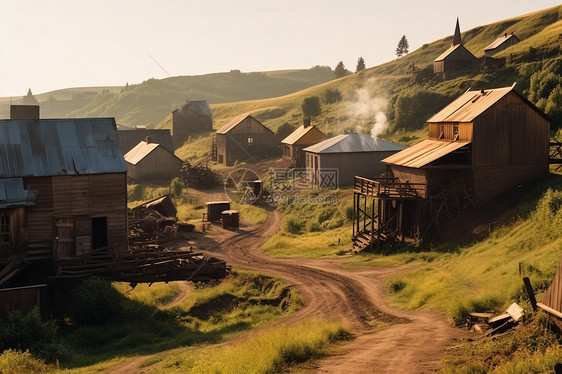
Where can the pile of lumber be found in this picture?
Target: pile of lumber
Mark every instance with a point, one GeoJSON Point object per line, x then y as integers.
{"type": "Point", "coordinates": [495, 324]}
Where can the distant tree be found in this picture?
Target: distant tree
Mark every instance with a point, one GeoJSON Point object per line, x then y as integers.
{"type": "Point", "coordinates": [311, 107]}
{"type": "Point", "coordinates": [360, 65]}
{"type": "Point", "coordinates": [284, 130]}
{"type": "Point", "coordinates": [340, 70]}
{"type": "Point", "coordinates": [29, 99]}
{"type": "Point", "coordinates": [402, 47]}
{"type": "Point", "coordinates": [331, 95]}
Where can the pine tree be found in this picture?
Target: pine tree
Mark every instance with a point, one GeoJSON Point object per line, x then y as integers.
{"type": "Point", "coordinates": [402, 47]}
{"type": "Point", "coordinates": [340, 70]}
{"type": "Point", "coordinates": [360, 65]}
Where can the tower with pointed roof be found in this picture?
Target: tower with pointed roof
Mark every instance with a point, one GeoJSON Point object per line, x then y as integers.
{"type": "Point", "coordinates": [456, 58]}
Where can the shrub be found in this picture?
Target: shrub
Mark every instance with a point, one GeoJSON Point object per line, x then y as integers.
{"type": "Point", "coordinates": [16, 362]}
{"type": "Point", "coordinates": [28, 332]}
{"type": "Point", "coordinates": [176, 187]}
{"type": "Point", "coordinates": [293, 226]}
{"type": "Point", "coordinates": [94, 301]}
{"type": "Point", "coordinates": [332, 95]}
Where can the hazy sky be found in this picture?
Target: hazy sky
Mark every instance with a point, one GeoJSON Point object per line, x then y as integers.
{"type": "Point", "coordinates": [51, 44]}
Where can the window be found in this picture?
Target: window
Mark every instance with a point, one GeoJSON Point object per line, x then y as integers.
{"type": "Point", "coordinates": [441, 131]}
{"type": "Point", "coordinates": [250, 140]}
{"type": "Point", "coordinates": [455, 132]}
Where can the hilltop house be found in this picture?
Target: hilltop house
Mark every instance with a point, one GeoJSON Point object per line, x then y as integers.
{"type": "Point", "coordinates": [304, 136]}
{"type": "Point", "coordinates": [242, 138]}
{"type": "Point", "coordinates": [501, 43]}
{"type": "Point", "coordinates": [63, 194]}
{"type": "Point", "coordinates": [347, 155]}
{"type": "Point", "coordinates": [457, 57]}
{"type": "Point", "coordinates": [192, 118]}
{"type": "Point", "coordinates": [479, 146]}
{"type": "Point", "coordinates": [149, 161]}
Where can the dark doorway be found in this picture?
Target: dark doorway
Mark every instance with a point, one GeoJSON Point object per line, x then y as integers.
{"type": "Point", "coordinates": [99, 232]}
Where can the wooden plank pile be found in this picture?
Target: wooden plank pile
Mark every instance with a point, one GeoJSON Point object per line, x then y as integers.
{"type": "Point", "coordinates": [149, 258]}
{"type": "Point", "coordinates": [491, 325]}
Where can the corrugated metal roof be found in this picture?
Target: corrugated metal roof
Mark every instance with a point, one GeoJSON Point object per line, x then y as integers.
{"type": "Point", "coordinates": [140, 151]}
{"type": "Point", "coordinates": [353, 143]}
{"type": "Point", "coordinates": [13, 194]}
{"type": "Point", "coordinates": [49, 147]}
{"type": "Point", "coordinates": [499, 41]}
{"type": "Point", "coordinates": [233, 123]}
{"type": "Point", "coordinates": [297, 134]}
{"type": "Point", "coordinates": [423, 153]}
{"type": "Point", "coordinates": [470, 105]}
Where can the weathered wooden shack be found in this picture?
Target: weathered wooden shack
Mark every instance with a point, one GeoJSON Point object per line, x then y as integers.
{"type": "Point", "coordinates": [129, 137]}
{"type": "Point", "coordinates": [479, 146]}
{"type": "Point", "coordinates": [63, 193]}
{"type": "Point", "coordinates": [456, 58]}
{"type": "Point", "coordinates": [242, 138]}
{"type": "Point", "coordinates": [149, 161]}
{"type": "Point", "coordinates": [304, 136]}
{"type": "Point", "coordinates": [347, 155]}
{"type": "Point", "coordinates": [192, 118]}
{"type": "Point", "coordinates": [501, 43]}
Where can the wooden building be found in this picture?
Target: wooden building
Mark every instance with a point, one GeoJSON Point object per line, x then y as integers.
{"type": "Point", "coordinates": [456, 58]}
{"type": "Point", "coordinates": [242, 138]}
{"type": "Point", "coordinates": [501, 43]}
{"type": "Point", "coordinates": [348, 155]}
{"type": "Point", "coordinates": [479, 146]}
{"type": "Point", "coordinates": [129, 137]}
{"type": "Point", "coordinates": [304, 136]}
{"type": "Point", "coordinates": [63, 194]}
{"type": "Point", "coordinates": [192, 118]}
{"type": "Point", "coordinates": [149, 161]}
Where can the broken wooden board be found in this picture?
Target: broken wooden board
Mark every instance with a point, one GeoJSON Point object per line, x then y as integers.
{"type": "Point", "coordinates": [515, 311]}
{"type": "Point", "coordinates": [498, 320]}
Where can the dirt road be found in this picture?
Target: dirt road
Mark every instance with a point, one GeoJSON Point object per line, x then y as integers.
{"type": "Point", "coordinates": [388, 340]}
{"type": "Point", "coordinates": [410, 342]}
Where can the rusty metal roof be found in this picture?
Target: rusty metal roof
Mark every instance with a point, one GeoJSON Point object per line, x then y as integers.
{"type": "Point", "coordinates": [13, 194]}
{"type": "Point", "coordinates": [49, 147]}
{"type": "Point", "coordinates": [423, 153]}
{"type": "Point", "coordinates": [499, 41]}
{"type": "Point", "coordinates": [470, 105]}
{"type": "Point", "coordinates": [301, 131]}
{"type": "Point", "coordinates": [347, 143]}
{"type": "Point", "coordinates": [232, 124]}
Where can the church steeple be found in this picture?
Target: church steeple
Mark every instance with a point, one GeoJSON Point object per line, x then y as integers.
{"type": "Point", "coordinates": [457, 37]}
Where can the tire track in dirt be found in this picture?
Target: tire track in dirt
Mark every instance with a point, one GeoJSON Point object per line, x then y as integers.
{"type": "Point", "coordinates": [388, 340]}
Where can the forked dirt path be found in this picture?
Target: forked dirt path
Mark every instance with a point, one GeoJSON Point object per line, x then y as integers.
{"type": "Point", "coordinates": [388, 340]}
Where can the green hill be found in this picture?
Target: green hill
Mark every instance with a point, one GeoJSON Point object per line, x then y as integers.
{"type": "Point", "coordinates": [150, 101]}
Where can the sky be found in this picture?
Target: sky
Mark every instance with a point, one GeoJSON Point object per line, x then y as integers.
{"type": "Point", "coordinates": [52, 44]}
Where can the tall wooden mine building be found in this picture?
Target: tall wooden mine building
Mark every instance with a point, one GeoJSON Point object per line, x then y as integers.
{"type": "Point", "coordinates": [479, 146]}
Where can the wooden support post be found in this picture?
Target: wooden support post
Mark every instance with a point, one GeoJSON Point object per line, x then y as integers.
{"type": "Point", "coordinates": [379, 223]}
{"type": "Point", "coordinates": [531, 293]}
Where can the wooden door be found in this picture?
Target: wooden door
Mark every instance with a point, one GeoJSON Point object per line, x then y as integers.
{"type": "Point", "coordinates": [64, 237]}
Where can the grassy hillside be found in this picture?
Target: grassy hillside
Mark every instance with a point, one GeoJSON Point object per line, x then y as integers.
{"type": "Point", "coordinates": [376, 90]}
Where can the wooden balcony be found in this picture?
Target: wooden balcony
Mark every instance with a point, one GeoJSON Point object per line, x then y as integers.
{"type": "Point", "coordinates": [387, 188]}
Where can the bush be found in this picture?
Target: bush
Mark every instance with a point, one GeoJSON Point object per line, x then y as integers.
{"type": "Point", "coordinates": [284, 130]}
{"type": "Point", "coordinates": [94, 301]}
{"type": "Point", "coordinates": [16, 362]}
{"type": "Point", "coordinates": [332, 95]}
{"type": "Point", "coordinates": [176, 187]}
{"type": "Point", "coordinates": [311, 107]}
{"type": "Point", "coordinates": [28, 332]}
{"type": "Point", "coordinates": [293, 226]}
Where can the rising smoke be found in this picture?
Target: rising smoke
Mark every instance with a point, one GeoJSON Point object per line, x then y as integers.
{"type": "Point", "coordinates": [369, 108]}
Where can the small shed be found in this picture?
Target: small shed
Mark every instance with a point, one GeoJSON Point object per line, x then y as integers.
{"type": "Point", "coordinates": [150, 162]}
{"type": "Point", "coordinates": [191, 118]}
{"type": "Point", "coordinates": [457, 57]}
{"type": "Point", "coordinates": [304, 136]}
{"type": "Point", "coordinates": [129, 137]}
{"type": "Point", "coordinates": [348, 155]}
{"type": "Point", "coordinates": [501, 43]}
{"type": "Point", "coordinates": [242, 138]}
